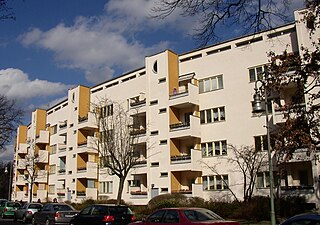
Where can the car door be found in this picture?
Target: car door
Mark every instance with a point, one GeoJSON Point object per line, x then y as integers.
{"type": "Point", "coordinates": [84, 216]}
{"type": "Point", "coordinates": [42, 214]}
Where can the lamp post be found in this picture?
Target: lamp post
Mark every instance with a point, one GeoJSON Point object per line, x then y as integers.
{"type": "Point", "coordinates": [258, 107]}
{"type": "Point", "coordinates": [9, 187]}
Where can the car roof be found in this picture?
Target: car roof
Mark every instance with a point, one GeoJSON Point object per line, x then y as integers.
{"type": "Point", "coordinates": [311, 216]}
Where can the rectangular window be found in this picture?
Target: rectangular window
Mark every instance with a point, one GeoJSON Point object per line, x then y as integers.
{"type": "Point", "coordinates": [212, 115]}
{"type": "Point", "coordinates": [261, 143]}
{"type": "Point", "coordinates": [90, 183]}
{"type": "Point", "coordinates": [215, 182]}
{"type": "Point", "coordinates": [106, 187]}
{"type": "Point", "coordinates": [211, 84]}
{"type": "Point", "coordinates": [53, 129]}
{"type": "Point", "coordinates": [263, 180]}
{"type": "Point", "coordinates": [257, 72]}
{"type": "Point", "coordinates": [51, 189]}
{"type": "Point", "coordinates": [53, 149]}
{"type": "Point", "coordinates": [214, 148]}
{"type": "Point", "coordinates": [52, 169]}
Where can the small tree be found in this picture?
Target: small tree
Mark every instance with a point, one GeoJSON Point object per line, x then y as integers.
{"type": "Point", "coordinates": [116, 141]}
{"type": "Point", "coordinates": [249, 162]}
{"type": "Point", "coordinates": [10, 117]}
{"type": "Point", "coordinates": [31, 172]}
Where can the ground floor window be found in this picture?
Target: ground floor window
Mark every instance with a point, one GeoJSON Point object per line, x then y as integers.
{"type": "Point", "coordinates": [106, 187]}
{"type": "Point", "coordinates": [215, 182]}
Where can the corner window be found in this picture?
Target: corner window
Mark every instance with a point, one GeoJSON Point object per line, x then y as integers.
{"type": "Point", "coordinates": [211, 84]}
{"type": "Point", "coordinates": [257, 72]}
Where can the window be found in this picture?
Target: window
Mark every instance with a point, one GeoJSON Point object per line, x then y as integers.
{"type": "Point", "coordinates": [155, 67]}
{"type": "Point", "coordinates": [215, 182]}
{"type": "Point", "coordinates": [163, 142]}
{"type": "Point", "coordinates": [52, 169]}
{"type": "Point", "coordinates": [164, 174]}
{"type": "Point", "coordinates": [51, 189]}
{"type": "Point", "coordinates": [155, 164]}
{"type": "Point", "coordinates": [53, 129]}
{"type": "Point", "coordinates": [212, 115]}
{"type": "Point", "coordinates": [106, 187]}
{"type": "Point", "coordinates": [162, 80]}
{"type": "Point", "coordinates": [106, 110]}
{"type": "Point", "coordinates": [214, 148]}
{"type": "Point", "coordinates": [211, 84]}
{"type": "Point", "coordinates": [53, 149]}
{"type": "Point", "coordinates": [261, 143]}
{"type": "Point", "coordinates": [154, 132]}
{"type": "Point", "coordinates": [256, 73]}
{"type": "Point", "coordinates": [154, 102]}
{"type": "Point", "coordinates": [263, 180]}
{"type": "Point", "coordinates": [163, 110]}
{"type": "Point", "coordinates": [90, 183]}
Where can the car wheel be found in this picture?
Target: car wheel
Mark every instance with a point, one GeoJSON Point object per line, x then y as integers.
{"type": "Point", "coordinates": [47, 222]}
{"type": "Point", "coordinates": [24, 219]}
{"type": "Point", "coordinates": [34, 221]}
{"type": "Point", "coordinates": [72, 223]}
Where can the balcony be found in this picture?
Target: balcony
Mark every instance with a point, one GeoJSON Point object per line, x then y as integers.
{"type": "Point", "coordinates": [88, 146]}
{"type": "Point", "coordinates": [186, 129]}
{"type": "Point", "coordinates": [62, 147]}
{"type": "Point", "coordinates": [63, 125]}
{"type": "Point", "coordinates": [43, 156]}
{"type": "Point", "coordinates": [278, 113]}
{"type": "Point", "coordinates": [42, 176]}
{"type": "Point", "coordinates": [21, 164]}
{"type": "Point", "coordinates": [134, 102]}
{"type": "Point", "coordinates": [296, 190]}
{"type": "Point", "coordinates": [23, 148]}
{"type": "Point", "coordinates": [87, 122]}
{"type": "Point", "coordinates": [61, 191]}
{"type": "Point", "coordinates": [141, 131]}
{"type": "Point", "coordinates": [137, 192]}
{"type": "Point", "coordinates": [43, 137]}
{"type": "Point", "coordinates": [42, 194]}
{"type": "Point", "coordinates": [21, 180]}
{"type": "Point", "coordinates": [183, 161]}
{"type": "Point", "coordinates": [89, 171]}
{"type": "Point", "coordinates": [185, 96]}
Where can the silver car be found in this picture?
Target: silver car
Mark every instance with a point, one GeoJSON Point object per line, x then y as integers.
{"type": "Point", "coordinates": [26, 212]}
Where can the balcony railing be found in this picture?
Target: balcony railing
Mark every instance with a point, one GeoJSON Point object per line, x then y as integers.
{"type": "Point", "coordinates": [82, 119]}
{"type": "Point", "coordinates": [138, 131]}
{"type": "Point", "coordinates": [179, 125]}
{"type": "Point", "coordinates": [81, 194]}
{"type": "Point", "coordinates": [180, 158]}
{"type": "Point", "coordinates": [140, 162]}
{"type": "Point", "coordinates": [135, 103]}
{"type": "Point", "coordinates": [138, 192]}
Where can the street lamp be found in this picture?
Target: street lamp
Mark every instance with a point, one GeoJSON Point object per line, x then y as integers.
{"type": "Point", "coordinates": [259, 107]}
{"type": "Point", "coordinates": [10, 171]}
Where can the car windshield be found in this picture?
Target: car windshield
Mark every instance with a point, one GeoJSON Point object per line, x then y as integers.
{"type": "Point", "coordinates": [35, 206]}
{"type": "Point", "coordinates": [13, 204]}
{"type": "Point", "coordinates": [119, 210]}
{"type": "Point", "coordinates": [62, 208]}
{"type": "Point", "coordinates": [200, 215]}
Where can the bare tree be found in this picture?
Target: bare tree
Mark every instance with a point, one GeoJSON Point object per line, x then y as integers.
{"type": "Point", "coordinates": [249, 162]}
{"type": "Point", "coordinates": [10, 117]}
{"type": "Point", "coordinates": [247, 15]}
{"type": "Point", "coordinates": [117, 139]}
{"type": "Point", "coordinates": [216, 172]}
{"type": "Point", "coordinates": [5, 11]}
{"type": "Point", "coordinates": [31, 172]}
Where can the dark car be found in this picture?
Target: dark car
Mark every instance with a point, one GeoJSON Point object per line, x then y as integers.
{"type": "Point", "coordinates": [54, 213]}
{"type": "Point", "coordinates": [185, 216]}
{"type": "Point", "coordinates": [102, 214]}
{"type": "Point", "coordinates": [26, 212]}
{"type": "Point", "coordinates": [303, 219]}
{"type": "Point", "coordinates": [7, 208]}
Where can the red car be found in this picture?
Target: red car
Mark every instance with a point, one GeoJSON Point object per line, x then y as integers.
{"type": "Point", "coordinates": [185, 216]}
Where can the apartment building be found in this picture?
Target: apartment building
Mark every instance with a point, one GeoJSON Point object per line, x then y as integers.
{"type": "Point", "coordinates": [192, 106]}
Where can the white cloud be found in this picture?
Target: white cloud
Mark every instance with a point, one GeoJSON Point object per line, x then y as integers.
{"type": "Point", "coordinates": [101, 45]}
{"type": "Point", "coordinates": [15, 84]}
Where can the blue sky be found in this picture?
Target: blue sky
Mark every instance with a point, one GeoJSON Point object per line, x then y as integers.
{"type": "Point", "coordinates": [57, 44]}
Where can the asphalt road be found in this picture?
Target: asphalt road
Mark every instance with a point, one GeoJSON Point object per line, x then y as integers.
{"type": "Point", "coordinates": [9, 221]}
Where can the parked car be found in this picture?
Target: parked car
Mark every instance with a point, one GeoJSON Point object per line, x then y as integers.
{"type": "Point", "coordinates": [186, 216]}
{"type": "Point", "coordinates": [26, 212]}
{"type": "Point", "coordinates": [102, 214]}
{"type": "Point", "coordinates": [7, 208]}
{"type": "Point", "coordinates": [308, 218]}
{"type": "Point", "coordinates": [54, 213]}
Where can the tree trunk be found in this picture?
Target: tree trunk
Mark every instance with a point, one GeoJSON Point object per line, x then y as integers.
{"type": "Point", "coordinates": [30, 192]}
{"type": "Point", "coordinates": [120, 189]}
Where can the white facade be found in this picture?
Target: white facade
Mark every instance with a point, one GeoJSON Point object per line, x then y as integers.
{"type": "Point", "coordinates": [193, 105]}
